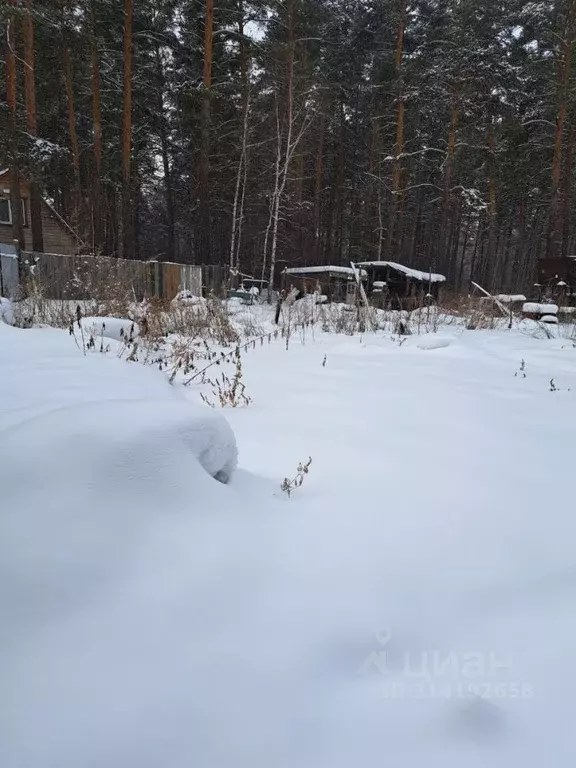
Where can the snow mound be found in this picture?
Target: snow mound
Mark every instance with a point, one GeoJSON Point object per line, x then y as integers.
{"type": "Point", "coordinates": [432, 341]}
{"type": "Point", "coordinates": [99, 458]}
{"type": "Point", "coordinates": [80, 482]}
{"type": "Point", "coordinates": [6, 311]}
{"type": "Point", "coordinates": [115, 328]}
{"type": "Point", "coordinates": [534, 308]}
{"type": "Point", "coordinates": [187, 298]}
{"type": "Point", "coordinates": [44, 374]}
{"type": "Point", "coordinates": [425, 314]}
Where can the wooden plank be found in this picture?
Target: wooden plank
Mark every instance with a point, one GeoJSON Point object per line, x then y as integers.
{"type": "Point", "coordinates": [171, 280]}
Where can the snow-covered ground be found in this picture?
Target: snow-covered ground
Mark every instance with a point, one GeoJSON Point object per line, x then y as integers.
{"type": "Point", "coordinates": [411, 604]}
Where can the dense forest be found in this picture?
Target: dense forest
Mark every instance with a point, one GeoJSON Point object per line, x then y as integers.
{"type": "Point", "coordinates": [438, 133]}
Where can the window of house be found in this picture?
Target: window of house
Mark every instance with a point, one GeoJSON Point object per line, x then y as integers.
{"type": "Point", "coordinates": [6, 211]}
{"type": "Point", "coordinates": [5, 217]}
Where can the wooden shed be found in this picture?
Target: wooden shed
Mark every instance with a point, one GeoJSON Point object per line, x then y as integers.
{"type": "Point", "coordinates": [400, 287]}
{"type": "Point", "coordinates": [557, 278]}
{"type": "Point", "coordinates": [57, 235]}
{"type": "Point", "coordinates": [336, 283]}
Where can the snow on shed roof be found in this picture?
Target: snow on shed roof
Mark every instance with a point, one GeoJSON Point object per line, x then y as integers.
{"type": "Point", "coordinates": [510, 298]}
{"type": "Point", "coordinates": [348, 271]}
{"type": "Point", "coordinates": [414, 274]}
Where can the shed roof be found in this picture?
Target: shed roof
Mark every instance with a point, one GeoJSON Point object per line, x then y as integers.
{"type": "Point", "coordinates": [330, 269]}
{"type": "Point", "coordinates": [413, 274]}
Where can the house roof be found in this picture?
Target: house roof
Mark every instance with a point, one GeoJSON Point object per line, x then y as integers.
{"type": "Point", "coordinates": [413, 274]}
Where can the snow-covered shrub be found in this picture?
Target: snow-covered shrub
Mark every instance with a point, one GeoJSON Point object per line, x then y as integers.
{"type": "Point", "coordinates": [116, 328]}
{"type": "Point", "coordinates": [207, 319]}
{"type": "Point", "coordinates": [6, 311]}
{"type": "Point", "coordinates": [289, 485]}
{"type": "Point", "coordinates": [187, 297]}
{"type": "Point", "coordinates": [338, 318]}
{"type": "Point", "coordinates": [230, 392]}
{"type": "Point", "coordinates": [425, 319]}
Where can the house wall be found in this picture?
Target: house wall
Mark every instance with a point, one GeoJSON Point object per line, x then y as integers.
{"type": "Point", "coordinates": [57, 239]}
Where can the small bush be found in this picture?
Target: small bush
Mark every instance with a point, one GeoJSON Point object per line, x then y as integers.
{"type": "Point", "coordinates": [289, 485]}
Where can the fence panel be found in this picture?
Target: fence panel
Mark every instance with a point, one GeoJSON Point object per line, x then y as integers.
{"type": "Point", "coordinates": [98, 277]}
{"type": "Point", "coordinates": [9, 282]}
{"type": "Point", "coordinates": [191, 279]}
{"type": "Point", "coordinates": [171, 282]}
{"type": "Point", "coordinates": [213, 279]}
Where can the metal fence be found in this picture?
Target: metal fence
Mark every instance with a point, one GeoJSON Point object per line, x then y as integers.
{"type": "Point", "coordinates": [96, 277]}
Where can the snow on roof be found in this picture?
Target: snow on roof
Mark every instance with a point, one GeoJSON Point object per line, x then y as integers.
{"type": "Point", "coordinates": [414, 274]}
{"type": "Point", "coordinates": [510, 298]}
{"type": "Point", "coordinates": [533, 308]}
{"type": "Point", "coordinates": [348, 271]}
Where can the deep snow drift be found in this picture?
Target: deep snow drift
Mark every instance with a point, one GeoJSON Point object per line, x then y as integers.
{"type": "Point", "coordinates": [155, 618]}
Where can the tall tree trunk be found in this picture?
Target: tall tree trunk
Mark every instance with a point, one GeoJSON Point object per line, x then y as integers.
{"type": "Point", "coordinates": [244, 77]}
{"type": "Point", "coordinates": [272, 202]}
{"type": "Point", "coordinates": [567, 190]}
{"type": "Point", "coordinates": [204, 164]}
{"type": "Point", "coordinates": [491, 244]}
{"type": "Point", "coordinates": [74, 144]}
{"type": "Point", "coordinates": [465, 240]}
{"type": "Point", "coordinates": [564, 73]}
{"type": "Point", "coordinates": [97, 237]}
{"type": "Point", "coordinates": [442, 240]}
{"type": "Point", "coordinates": [32, 126]}
{"type": "Point", "coordinates": [373, 209]}
{"type": "Point", "coordinates": [291, 143]}
{"type": "Point", "coordinates": [340, 179]}
{"type": "Point", "coordinates": [11, 85]}
{"type": "Point", "coordinates": [400, 114]}
{"type": "Point", "coordinates": [127, 212]}
{"type": "Point", "coordinates": [318, 185]}
{"type": "Point", "coordinates": [165, 151]}
{"type": "Point", "coordinates": [240, 188]}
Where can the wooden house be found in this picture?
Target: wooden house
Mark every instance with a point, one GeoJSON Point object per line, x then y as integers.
{"type": "Point", "coordinates": [395, 285]}
{"type": "Point", "coordinates": [57, 235]}
{"type": "Point", "coordinates": [336, 283]}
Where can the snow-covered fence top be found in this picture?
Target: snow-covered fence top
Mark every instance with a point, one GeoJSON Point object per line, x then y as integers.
{"type": "Point", "coordinates": [413, 274]}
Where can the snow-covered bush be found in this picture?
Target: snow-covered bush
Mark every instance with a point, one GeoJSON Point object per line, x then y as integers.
{"type": "Point", "coordinates": [290, 484]}
{"type": "Point", "coordinates": [229, 391]}
{"type": "Point", "coordinates": [6, 311]}
{"type": "Point", "coordinates": [187, 297]}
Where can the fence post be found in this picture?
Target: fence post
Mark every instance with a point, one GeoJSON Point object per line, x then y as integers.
{"type": "Point", "coordinates": [160, 268]}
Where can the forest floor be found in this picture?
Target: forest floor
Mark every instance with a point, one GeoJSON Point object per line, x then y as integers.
{"type": "Point", "coordinates": [410, 603]}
